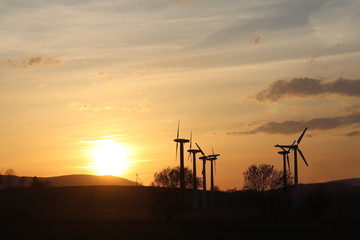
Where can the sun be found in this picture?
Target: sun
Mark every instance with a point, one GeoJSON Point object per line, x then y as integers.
{"type": "Point", "coordinates": [110, 157]}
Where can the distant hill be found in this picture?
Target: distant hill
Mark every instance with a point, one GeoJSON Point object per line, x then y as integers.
{"type": "Point", "coordinates": [350, 181]}
{"type": "Point", "coordinates": [69, 180]}
{"type": "Point", "coordinates": [337, 187]}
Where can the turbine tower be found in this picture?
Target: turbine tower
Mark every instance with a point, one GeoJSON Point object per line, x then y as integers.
{"type": "Point", "coordinates": [203, 158]}
{"type": "Point", "coordinates": [212, 158]}
{"type": "Point", "coordinates": [285, 154]}
{"type": "Point", "coordinates": [193, 152]}
{"type": "Point", "coordinates": [181, 141]}
{"type": "Point", "coordinates": [296, 149]}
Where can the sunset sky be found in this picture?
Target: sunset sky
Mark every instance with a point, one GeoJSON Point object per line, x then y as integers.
{"type": "Point", "coordinates": [241, 75]}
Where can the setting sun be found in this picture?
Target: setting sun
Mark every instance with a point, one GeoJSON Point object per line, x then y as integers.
{"type": "Point", "coordinates": [110, 157]}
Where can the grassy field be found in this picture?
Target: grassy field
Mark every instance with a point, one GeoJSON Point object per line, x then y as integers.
{"type": "Point", "coordinates": [188, 229]}
{"type": "Point", "coordinates": [110, 212]}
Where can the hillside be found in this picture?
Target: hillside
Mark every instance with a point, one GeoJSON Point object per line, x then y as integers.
{"type": "Point", "coordinates": [350, 181]}
{"type": "Point", "coordinates": [84, 180]}
{"type": "Point", "coordinates": [68, 180]}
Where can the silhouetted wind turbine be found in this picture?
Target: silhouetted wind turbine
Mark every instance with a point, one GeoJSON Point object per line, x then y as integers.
{"type": "Point", "coordinates": [212, 158]}
{"type": "Point", "coordinates": [285, 154]}
{"type": "Point", "coordinates": [203, 158]}
{"type": "Point", "coordinates": [181, 141]}
{"type": "Point", "coordinates": [296, 149]}
{"type": "Point", "coordinates": [193, 152]}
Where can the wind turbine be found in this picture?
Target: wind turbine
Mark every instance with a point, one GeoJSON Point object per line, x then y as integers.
{"type": "Point", "coordinates": [296, 149]}
{"type": "Point", "coordinates": [285, 154]}
{"type": "Point", "coordinates": [181, 141]}
{"type": "Point", "coordinates": [203, 158]}
{"type": "Point", "coordinates": [193, 152]}
{"type": "Point", "coordinates": [212, 158]}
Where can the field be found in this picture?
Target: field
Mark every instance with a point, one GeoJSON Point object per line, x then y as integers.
{"type": "Point", "coordinates": [109, 212]}
{"type": "Point", "coordinates": [185, 229]}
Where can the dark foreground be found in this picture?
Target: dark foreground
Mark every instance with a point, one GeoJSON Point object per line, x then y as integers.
{"type": "Point", "coordinates": [111, 212]}
{"type": "Point", "coordinates": [189, 229]}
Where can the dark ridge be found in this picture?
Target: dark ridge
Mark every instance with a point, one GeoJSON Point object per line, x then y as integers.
{"type": "Point", "coordinates": [67, 180]}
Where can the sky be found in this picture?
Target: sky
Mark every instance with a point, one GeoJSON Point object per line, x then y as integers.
{"type": "Point", "coordinates": [242, 76]}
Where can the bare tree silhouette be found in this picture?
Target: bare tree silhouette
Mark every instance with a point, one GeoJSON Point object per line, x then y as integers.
{"type": "Point", "coordinates": [264, 177]}
{"type": "Point", "coordinates": [170, 177]}
{"type": "Point", "coordinates": [9, 177]}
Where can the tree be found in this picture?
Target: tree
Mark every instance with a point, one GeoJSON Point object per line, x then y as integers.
{"type": "Point", "coordinates": [170, 178]}
{"type": "Point", "coordinates": [264, 177]}
{"type": "Point", "coordinates": [36, 183]}
{"type": "Point", "coordinates": [9, 173]}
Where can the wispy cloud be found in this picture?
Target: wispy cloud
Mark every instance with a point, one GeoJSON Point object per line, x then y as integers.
{"type": "Point", "coordinates": [313, 58]}
{"type": "Point", "coordinates": [302, 87]}
{"type": "Point", "coordinates": [257, 40]}
{"type": "Point", "coordinates": [290, 127]}
{"type": "Point", "coordinates": [182, 2]}
{"type": "Point", "coordinates": [138, 106]}
{"type": "Point", "coordinates": [148, 70]}
{"type": "Point", "coordinates": [101, 74]}
{"type": "Point", "coordinates": [115, 136]}
{"type": "Point", "coordinates": [32, 62]}
{"type": "Point", "coordinates": [138, 71]}
{"type": "Point", "coordinates": [142, 91]}
{"type": "Point", "coordinates": [41, 85]}
{"type": "Point", "coordinates": [353, 134]}
{"type": "Point", "coordinates": [79, 106]}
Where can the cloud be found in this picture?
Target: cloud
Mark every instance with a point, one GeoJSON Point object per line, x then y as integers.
{"type": "Point", "coordinates": [302, 87]}
{"type": "Point", "coordinates": [31, 62]}
{"type": "Point", "coordinates": [10, 63]}
{"type": "Point", "coordinates": [101, 74]}
{"type": "Point", "coordinates": [353, 134]}
{"type": "Point", "coordinates": [138, 106]}
{"type": "Point", "coordinates": [41, 85]}
{"type": "Point", "coordinates": [262, 16]}
{"type": "Point", "coordinates": [181, 2]}
{"type": "Point", "coordinates": [257, 40]}
{"type": "Point", "coordinates": [178, 2]}
{"type": "Point", "coordinates": [142, 91]}
{"type": "Point", "coordinates": [148, 70]}
{"type": "Point", "coordinates": [138, 71]}
{"type": "Point", "coordinates": [290, 127]}
{"type": "Point", "coordinates": [79, 106]}
{"type": "Point", "coordinates": [313, 58]}
{"type": "Point", "coordinates": [334, 21]}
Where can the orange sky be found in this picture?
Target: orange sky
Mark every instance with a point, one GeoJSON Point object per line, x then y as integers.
{"type": "Point", "coordinates": [242, 76]}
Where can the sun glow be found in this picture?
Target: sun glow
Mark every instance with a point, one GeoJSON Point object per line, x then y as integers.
{"type": "Point", "coordinates": [110, 157]}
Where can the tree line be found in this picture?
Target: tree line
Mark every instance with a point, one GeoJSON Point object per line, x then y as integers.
{"type": "Point", "coordinates": [8, 179]}
{"type": "Point", "coordinates": [257, 178]}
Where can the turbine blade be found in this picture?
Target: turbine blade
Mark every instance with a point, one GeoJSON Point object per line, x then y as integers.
{"type": "Point", "coordinates": [292, 145]}
{"type": "Point", "coordinates": [301, 136]}
{"type": "Point", "coordinates": [283, 148]}
{"type": "Point", "coordinates": [200, 149]}
{"type": "Point", "coordinates": [178, 130]}
{"type": "Point", "coordinates": [302, 156]}
{"type": "Point", "coordinates": [288, 161]}
{"type": "Point", "coordinates": [215, 166]}
{"type": "Point", "coordinates": [212, 149]}
{"type": "Point", "coordinates": [189, 156]}
{"type": "Point", "coordinates": [191, 139]}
